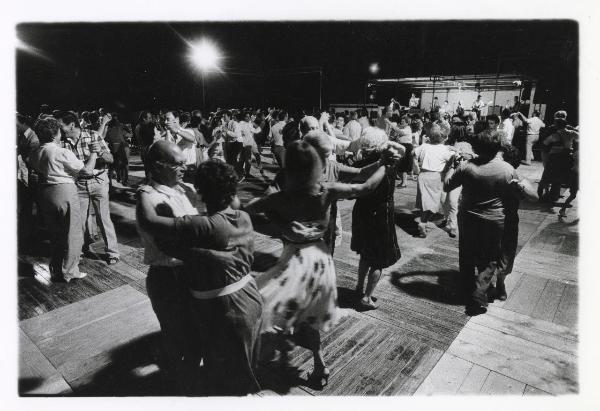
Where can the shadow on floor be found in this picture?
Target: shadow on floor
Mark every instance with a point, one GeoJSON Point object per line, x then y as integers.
{"type": "Point", "coordinates": [124, 226]}
{"type": "Point", "coordinates": [405, 219]}
{"type": "Point", "coordinates": [134, 369]}
{"type": "Point", "coordinates": [439, 286]}
{"type": "Point", "coordinates": [347, 297]}
{"type": "Point", "coordinates": [278, 376]}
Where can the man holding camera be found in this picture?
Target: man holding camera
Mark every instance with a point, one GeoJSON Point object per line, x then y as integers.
{"type": "Point", "coordinates": [94, 187]}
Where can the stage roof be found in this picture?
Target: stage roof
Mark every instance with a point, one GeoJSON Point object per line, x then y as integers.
{"type": "Point", "coordinates": [479, 82]}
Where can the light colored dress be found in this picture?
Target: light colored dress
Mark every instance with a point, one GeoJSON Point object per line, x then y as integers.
{"type": "Point", "coordinates": [300, 289]}
{"type": "Point", "coordinates": [432, 159]}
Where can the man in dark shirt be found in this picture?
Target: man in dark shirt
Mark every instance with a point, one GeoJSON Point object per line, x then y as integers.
{"type": "Point", "coordinates": [27, 143]}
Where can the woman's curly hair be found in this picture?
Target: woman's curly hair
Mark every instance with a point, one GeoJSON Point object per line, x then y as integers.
{"type": "Point", "coordinates": [217, 182]}
{"type": "Point", "coordinates": [46, 129]}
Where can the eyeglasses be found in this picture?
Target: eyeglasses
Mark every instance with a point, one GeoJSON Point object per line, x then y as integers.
{"type": "Point", "coordinates": [173, 166]}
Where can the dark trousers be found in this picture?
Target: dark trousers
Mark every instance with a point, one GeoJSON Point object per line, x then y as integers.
{"type": "Point", "coordinates": [479, 247]}
{"type": "Point", "coordinates": [232, 153]}
{"type": "Point", "coordinates": [245, 163]}
{"type": "Point", "coordinates": [26, 221]}
{"type": "Point", "coordinates": [120, 165]}
{"type": "Point", "coordinates": [230, 333]}
{"type": "Point", "coordinates": [170, 298]}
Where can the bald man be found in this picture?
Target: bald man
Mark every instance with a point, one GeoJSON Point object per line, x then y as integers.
{"type": "Point", "coordinates": [308, 123]}
{"type": "Point", "coordinates": [167, 289]}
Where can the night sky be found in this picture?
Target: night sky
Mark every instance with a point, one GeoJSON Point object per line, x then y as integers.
{"type": "Point", "coordinates": [131, 66]}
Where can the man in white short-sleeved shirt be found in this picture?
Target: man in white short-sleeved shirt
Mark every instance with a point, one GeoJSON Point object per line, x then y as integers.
{"type": "Point", "coordinates": [167, 289]}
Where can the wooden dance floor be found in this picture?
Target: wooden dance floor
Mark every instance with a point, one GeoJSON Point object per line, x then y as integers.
{"type": "Point", "coordinates": [99, 336]}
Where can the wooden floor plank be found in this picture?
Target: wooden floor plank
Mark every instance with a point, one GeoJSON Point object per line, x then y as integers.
{"type": "Point", "coordinates": [524, 298]}
{"type": "Point", "coordinates": [547, 305]}
{"type": "Point", "coordinates": [534, 324]}
{"type": "Point", "coordinates": [387, 353]}
{"type": "Point", "coordinates": [500, 384]}
{"type": "Point", "coordinates": [75, 316]}
{"type": "Point", "coordinates": [36, 375]}
{"type": "Point", "coordinates": [446, 377]}
{"type": "Point", "coordinates": [525, 331]}
{"type": "Point", "coordinates": [537, 365]}
{"type": "Point", "coordinates": [412, 375]}
{"type": "Point", "coordinates": [529, 390]}
{"type": "Point", "coordinates": [547, 264]}
{"type": "Point", "coordinates": [78, 355]}
{"type": "Point", "coordinates": [475, 380]}
{"type": "Point", "coordinates": [131, 264]}
{"type": "Point", "coordinates": [566, 313]}
{"type": "Point", "coordinates": [46, 298]}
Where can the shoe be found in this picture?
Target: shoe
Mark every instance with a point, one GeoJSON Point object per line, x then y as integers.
{"type": "Point", "coordinates": [112, 260]}
{"type": "Point", "coordinates": [319, 378]}
{"type": "Point", "coordinates": [58, 279]}
{"type": "Point", "coordinates": [451, 231]}
{"type": "Point", "coordinates": [501, 290]}
{"type": "Point", "coordinates": [367, 305]}
{"type": "Point", "coordinates": [492, 294]}
{"type": "Point", "coordinates": [79, 277]}
{"type": "Point", "coordinates": [474, 309]}
{"type": "Point", "coordinates": [422, 231]}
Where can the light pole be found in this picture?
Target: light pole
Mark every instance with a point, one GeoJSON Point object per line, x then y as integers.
{"type": "Point", "coordinates": [373, 70]}
{"type": "Point", "coordinates": [204, 56]}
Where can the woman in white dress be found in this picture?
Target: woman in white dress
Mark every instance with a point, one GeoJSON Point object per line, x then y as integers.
{"type": "Point", "coordinates": [432, 159]}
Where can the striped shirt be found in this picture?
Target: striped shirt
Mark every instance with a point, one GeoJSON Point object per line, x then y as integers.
{"type": "Point", "coordinates": [81, 147]}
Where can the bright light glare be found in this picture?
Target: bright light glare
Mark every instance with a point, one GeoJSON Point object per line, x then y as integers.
{"type": "Point", "coordinates": [27, 48]}
{"type": "Point", "coordinates": [374, 68]}
{"type": "Point", "coordinates": [205, 56]}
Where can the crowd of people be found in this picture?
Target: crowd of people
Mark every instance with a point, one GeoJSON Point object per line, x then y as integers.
{"type": "Point", "coordinates": [198, 238]}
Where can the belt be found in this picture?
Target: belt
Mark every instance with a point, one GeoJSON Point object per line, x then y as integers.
{"type": "Point", "coordinates": [303, 242]}
{"type": "Point", "coordinates": [93, 175]}
{"type": "Point", "coordinates": [219, 292]}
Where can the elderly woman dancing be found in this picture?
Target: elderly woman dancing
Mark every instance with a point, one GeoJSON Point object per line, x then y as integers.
{"type": "Point", "coordinates": [218, 252]}
{"type": "Point", "coordinates": [433, 160]}
{"type": "Point", "coordinates": [373, 228]}
{"type": "Point", "coordinates": [58, 168]}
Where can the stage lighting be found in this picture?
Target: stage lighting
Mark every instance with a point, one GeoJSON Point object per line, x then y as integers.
{"type": "Point", "coordinates": [374, 68]}
{"type": "Point", "coordinates": [205, 56]}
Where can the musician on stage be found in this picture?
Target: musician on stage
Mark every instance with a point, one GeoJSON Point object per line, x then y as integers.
{"type": "Point", "coordinates": [478, 105]}
{"type": "Point", "coordinates": [414, 101]}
